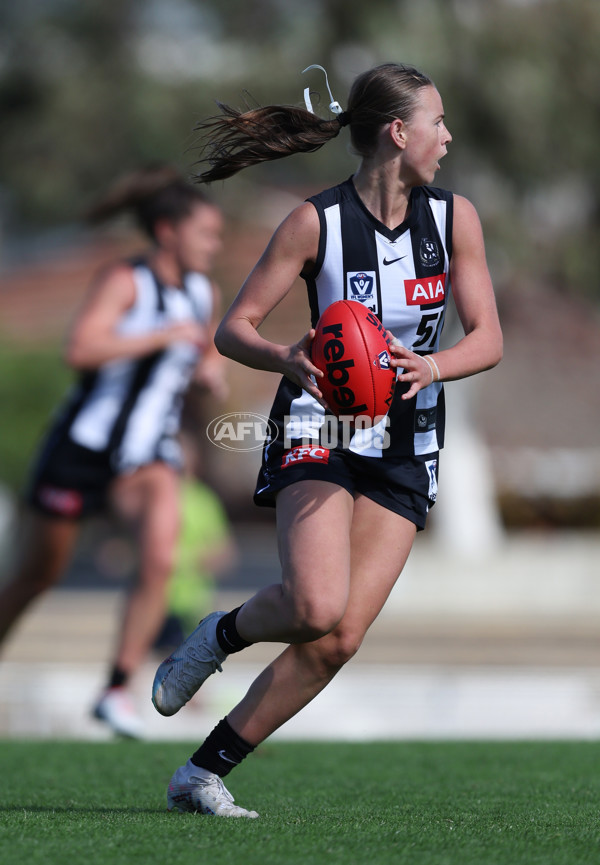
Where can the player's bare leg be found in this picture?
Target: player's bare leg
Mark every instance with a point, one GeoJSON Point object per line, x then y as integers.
{"type": "Point", "coordinates": [315, 560]}
{"type": "Point", "coordinates": [149, 500]}
{"type": "Point", "coordinates": [293, 611]}
{"type": "Point", "coordinates": [381, 542]}
{"type": "Point", "coordinates": [44, 551]}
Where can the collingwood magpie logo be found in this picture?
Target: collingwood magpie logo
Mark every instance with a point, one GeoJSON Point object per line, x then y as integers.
{"type": "Point", "coordinates": [360, 285]}
{"type": "Point", "coordinates": [429, 252]}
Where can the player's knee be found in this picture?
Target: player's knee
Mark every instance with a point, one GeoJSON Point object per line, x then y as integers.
{"type": "Point", "coordinates": [329, 654]}
{"type": "Point", "coordinates": [315, 620]}
{"type": "Point", "coordinates": [159, 565]}
{"type": "Point", "coordinates": [340, 647]}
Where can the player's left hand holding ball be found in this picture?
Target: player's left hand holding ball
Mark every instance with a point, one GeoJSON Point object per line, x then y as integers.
{"type": "Point", "coordinates": [300, 369]}
{"type": "Point", "coordinates": [413, 369]}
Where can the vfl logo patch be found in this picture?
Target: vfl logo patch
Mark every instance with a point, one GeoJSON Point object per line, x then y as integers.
{"type": "Point", "coordinates": [360, 285]}
{"type": "Point", "coordinates": [382, 361]}
{"type": "Point", "coordinates": [429, 252]}
{"type": "Point", "coordinates": [305, 454]}
{"type": "Point", "coordinates": [427, 290]}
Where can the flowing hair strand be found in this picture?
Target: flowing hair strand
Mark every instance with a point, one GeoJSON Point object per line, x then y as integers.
{"type": "Point", "coordinates": [233, 140]}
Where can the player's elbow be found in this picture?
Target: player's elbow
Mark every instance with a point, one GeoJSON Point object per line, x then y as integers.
{"type": "Point", "coordinates": [220, 340]}
{"type": "Point", "coordinates": [225, 340]}
{"type": "Point", "coordinates": [496, 349]}
{"type": "Point", "coordinates": [71, 354]}
{"type": "Point", "coordinates": [489, 346]}
{"type": "Point", "coordinates": [491, 357]}
{"type": "Point", "coordinates": [75, 354]}
{"type": "Point", "coordinates": [499, 356]}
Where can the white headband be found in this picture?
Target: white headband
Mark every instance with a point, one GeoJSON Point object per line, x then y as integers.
{"type": "Point", "coordinates": [334, 106]}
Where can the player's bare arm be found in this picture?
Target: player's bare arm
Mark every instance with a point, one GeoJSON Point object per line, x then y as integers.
{"type": "Point", "coordinates": [94, 339]}
{"type": "Point", "coordinates": [292, 248]}
{"type": "Point", "coordinates": [481, 347]}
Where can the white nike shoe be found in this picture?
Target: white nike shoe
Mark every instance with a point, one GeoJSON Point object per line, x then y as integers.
{"type": "Point", "coordinates": [115, 707]}
{"type": "Point", "coordinates": [188, 667]}
{"type": "Point", "coordinates": [199, 791]}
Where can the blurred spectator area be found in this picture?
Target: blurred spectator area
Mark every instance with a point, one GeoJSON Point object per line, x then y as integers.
{"type": "Point", "coordinates": [538, 412]}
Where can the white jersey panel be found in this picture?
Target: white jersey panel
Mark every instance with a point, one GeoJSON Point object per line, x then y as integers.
{"type": "Point", "coordinates": [200, 291]}
{"type": "Point", "coordinates": [305, 418]}
{"type": "Point", "coordinates": [156, 412]}
{"type": "Point", "coordinates": [133, 407]}
{"type": "Point", "coordinates": [372, 441]}
{"type": "Point", "coordinates": [94, 423]}
{"type": "Point", "coordinates": [333, 261]}
{"type": "Point", "coordinates": [439, 210]}
{"type": "Point", "coordinates": [396, 263]}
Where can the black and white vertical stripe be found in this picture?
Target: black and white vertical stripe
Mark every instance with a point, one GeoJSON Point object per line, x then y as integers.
{"type": "Point", "coordinates": [400, 274]}
{"type": "Point", "coordinates": [132, 407]}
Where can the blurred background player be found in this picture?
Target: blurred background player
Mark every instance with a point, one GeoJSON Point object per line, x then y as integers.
{"type": "Point", "coordinates": [144, 333]}
{"type": "Point", "coordinates": [206, 553]}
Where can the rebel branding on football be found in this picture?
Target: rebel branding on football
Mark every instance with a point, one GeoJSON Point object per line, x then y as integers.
{"type": "Point", "coordinates": [351, 349]}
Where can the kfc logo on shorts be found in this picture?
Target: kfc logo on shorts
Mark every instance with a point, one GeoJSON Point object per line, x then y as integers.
{"type": "Point", "coordinates": [305, 454]}
{"type": "Point", "coordinates": [67, 503]}
{"type": "Point", "coordinates": [425, 291]}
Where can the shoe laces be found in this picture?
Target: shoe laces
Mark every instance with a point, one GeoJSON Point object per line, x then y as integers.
{"type": "Point", "coordinates": [198, 656]}
{"type": "Point", "coordinates": [204, 654]}
{"type": "Point", "coordinates": [223, 791]}
{"type": "Point", "coordinates": [215, 786]}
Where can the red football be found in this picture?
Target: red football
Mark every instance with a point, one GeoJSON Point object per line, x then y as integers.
{"type": "Point", "coordinates": [351, 348]}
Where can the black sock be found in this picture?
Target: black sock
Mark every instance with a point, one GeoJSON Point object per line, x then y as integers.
{"type": "Point", "coordinates": [118, 677]}
{"type": "Point", "coordinates": [227, 636]}
{"type": "Point", "coordinates": [222, 750]}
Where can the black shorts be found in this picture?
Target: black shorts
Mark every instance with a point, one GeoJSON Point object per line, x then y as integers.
{"type": "Point", "coordinates": [406, 485]}
{"type": "Point", "coordinates": [68, 480]}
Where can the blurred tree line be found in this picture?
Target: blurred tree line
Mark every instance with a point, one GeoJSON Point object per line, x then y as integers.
{"type": "Point", "coordinates": [88, 90]}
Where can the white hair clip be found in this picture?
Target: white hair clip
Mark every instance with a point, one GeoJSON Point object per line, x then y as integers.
{"type": "Point", "coordinates": [334, 106]}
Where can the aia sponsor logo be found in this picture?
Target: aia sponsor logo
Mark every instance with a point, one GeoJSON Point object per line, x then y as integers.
{"type": "Point", "coordinates": [68, 503]}
{"type": "Point", "coordinates": [426, 290]}
{"type": "Point", "coordinates": [305, 454]}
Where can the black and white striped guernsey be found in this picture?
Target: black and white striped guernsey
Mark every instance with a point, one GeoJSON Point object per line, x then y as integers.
{"type": "Point", "coordinates": [131, 408]}
{"type": "Point", "coordinates": [402, 275]}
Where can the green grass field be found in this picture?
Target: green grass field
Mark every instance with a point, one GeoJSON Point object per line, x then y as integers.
{"type": "Point", "coordinates": [396, 802]}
